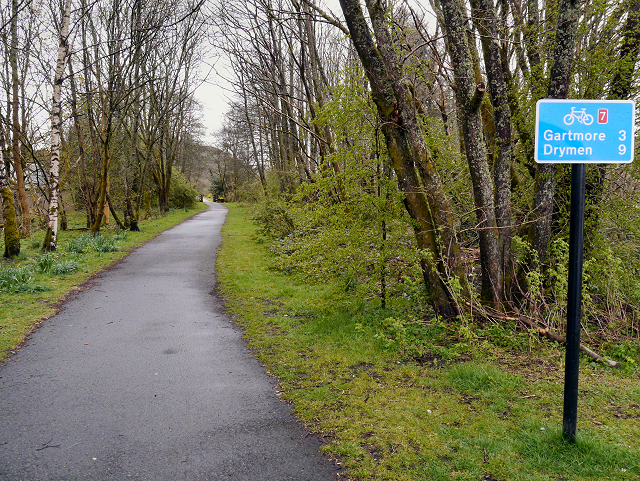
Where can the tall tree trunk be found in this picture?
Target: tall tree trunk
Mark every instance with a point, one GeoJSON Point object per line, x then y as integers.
{"type": "Point", "coordinates": [88, 191]}
{"type": "Point", "coordinates": [15, 104]}
{"type": "Point", "coordinates": [324, 136]}
{"type": "Point", "coordinates": [11, 234]}
{"type": "Point", "coordinates": [486, 18]}
{"type": "Point", "coordinates": [104, 181]}
{"type": "Point", "coordinates": [469, 97]}
{"type": "Point", "coordinates": [629, 49]}
{"type": "Point", "coordinates": [425, 199]}
{"type": "Point", "coordinates": [51, 237]}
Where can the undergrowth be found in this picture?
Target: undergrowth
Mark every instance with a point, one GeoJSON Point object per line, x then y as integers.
{"type": "Point", "coordinates": [401, 397]}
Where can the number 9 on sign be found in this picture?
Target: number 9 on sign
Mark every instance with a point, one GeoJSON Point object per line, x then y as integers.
{"type": "Point", "coordinates": [622, 149]}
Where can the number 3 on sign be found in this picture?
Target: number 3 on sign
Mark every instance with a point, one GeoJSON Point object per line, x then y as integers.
{"type": "Point", "coordinates": [622, 149]}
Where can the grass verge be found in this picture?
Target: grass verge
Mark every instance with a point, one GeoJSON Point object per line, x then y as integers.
{"type": "Point", "coordinates": [33, 284]}
{"type": "Point", "coordinates": [401, 399]}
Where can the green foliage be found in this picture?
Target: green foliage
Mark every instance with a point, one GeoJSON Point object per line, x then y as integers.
{"type": "Point", "coordinates": [19, 280]}
{"type": "Point", "coordinates": [558, 274]}
{"type": "Point", "coordinates": [91, 243]}
{"type": "Point", "coordinates": [215, 185]}
{"type": "Point", "coordinates": [274, 220]}
{"type": "Point", "coordinates": [249, 192]}
{"type": "Point", "coordinates": [626, 351]}
{"type": "Point", "coordinates": [80, 245]}
{"type": "Point", "coordinates": [46, 262]}
{"type": "Point", "coordinates": [121, 236]}
{"type": "Point", "coordinates": [349, 223]}
{"type": "Point", "coordinates": [182, 194]}
{"type": "Point", "coordinates": [408, 337]}
{"type": "Point", "coordinates": [64, 267]}
{"type": "Point", "coordinates": [351, 371]}
{"type": "Point", "coordinates": [454, 175]}
{"type": "Point", "coordinates": [104, 244]}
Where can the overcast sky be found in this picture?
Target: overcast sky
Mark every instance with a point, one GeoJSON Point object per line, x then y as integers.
{"type": "Point", "coordinates": [213, 95]}
{"type": "Point", "coordinates": [214, 92]}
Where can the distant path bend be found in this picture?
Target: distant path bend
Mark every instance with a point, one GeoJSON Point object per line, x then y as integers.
{"type": "Point", "coordinates": [142, 376]}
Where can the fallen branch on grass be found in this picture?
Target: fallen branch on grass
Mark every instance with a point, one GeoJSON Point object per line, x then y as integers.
{"type": "Point", "coordinates": [545, 331]}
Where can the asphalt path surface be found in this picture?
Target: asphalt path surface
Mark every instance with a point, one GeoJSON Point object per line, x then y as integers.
{"type": "Point", "coordinates": [142, 375]}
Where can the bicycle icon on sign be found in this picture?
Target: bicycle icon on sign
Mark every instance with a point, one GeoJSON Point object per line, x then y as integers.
{"type": "Point", "coordinates": [581, 116]}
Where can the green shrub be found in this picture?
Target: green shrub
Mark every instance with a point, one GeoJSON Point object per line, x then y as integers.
{"type": "Point", "coordinates": [274, 219]}
{"type": "Point", "coordinates": [182, 194]}
{"type": "Point", "coordinates": [80, 245]}
{"type": "Point", "coordinates": [121, 236]}
{"type": "Point", "coordinates": [216, 187]}
{"type": "Point", "coordinates": [19, 280]}
{"type": "Point", "coordinates": [64, 267]}
{"type": "Point", "coordinates": [250, 192]}
{"type": "Point", "coordinates": [90, 243]}
{"type": "Point", "coordinates": [104, 244]}
{"type": "Point", "coordinates": [46, 262]}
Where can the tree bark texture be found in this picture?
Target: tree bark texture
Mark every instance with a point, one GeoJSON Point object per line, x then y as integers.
{"type": "Point", "coordinates": [51, 238]}
{"type": "Point", "coordinates": [629, 49]}
{"type": "Point", "coordinates": [15, 105]}
{"type": "Point", "coordinates": [87, 190]}
{"type": "Point", "coordinates": [11, 233]}
{"type": "Point", "coordinates": [425, 199]}
{"type": "Point", "coordinates": [485, 16]}
{"type": "Point", "coordinates": [472, 131]}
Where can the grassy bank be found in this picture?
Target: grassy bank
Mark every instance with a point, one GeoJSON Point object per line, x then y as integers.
{"type": "Point", "coordinates": [32, 285]}
{"type": "Point", "coordinates": [402, 399]}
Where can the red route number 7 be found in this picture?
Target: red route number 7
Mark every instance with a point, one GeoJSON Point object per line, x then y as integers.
{"type": "Point", "coordinates": [603, 116]}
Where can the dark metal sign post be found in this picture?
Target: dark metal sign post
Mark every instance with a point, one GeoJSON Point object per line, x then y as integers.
{"type": "Point", "coordinates": [574, 302]}
{"type": "Point", "coordinates": [578, 132]}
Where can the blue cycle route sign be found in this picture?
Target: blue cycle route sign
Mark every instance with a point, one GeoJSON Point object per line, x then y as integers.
{"type": "Point", "coordinates": [579, 132]}
{"type": "Point", "coordinates": [584, 131]}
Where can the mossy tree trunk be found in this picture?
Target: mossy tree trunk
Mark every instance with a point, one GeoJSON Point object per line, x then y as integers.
{"type": "Point", "coordinates": [425, 199]}
{"type": "Point", "coordinates": [502, 165]}
{"type": "Point", "coordinates": [11, 233]}
{"type": "Point", "coordinates": [469, 96]}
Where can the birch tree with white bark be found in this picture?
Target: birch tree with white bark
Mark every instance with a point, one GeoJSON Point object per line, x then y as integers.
{"type": "Point", "coordinates": [51, 236]}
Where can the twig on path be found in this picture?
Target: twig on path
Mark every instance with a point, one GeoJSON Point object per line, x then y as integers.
{"type": "Point", "coordinates": [47, 445]}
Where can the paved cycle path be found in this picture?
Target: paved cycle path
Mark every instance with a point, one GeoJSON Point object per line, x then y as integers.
{"type": "Point", "coordinates": [142, 376]}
